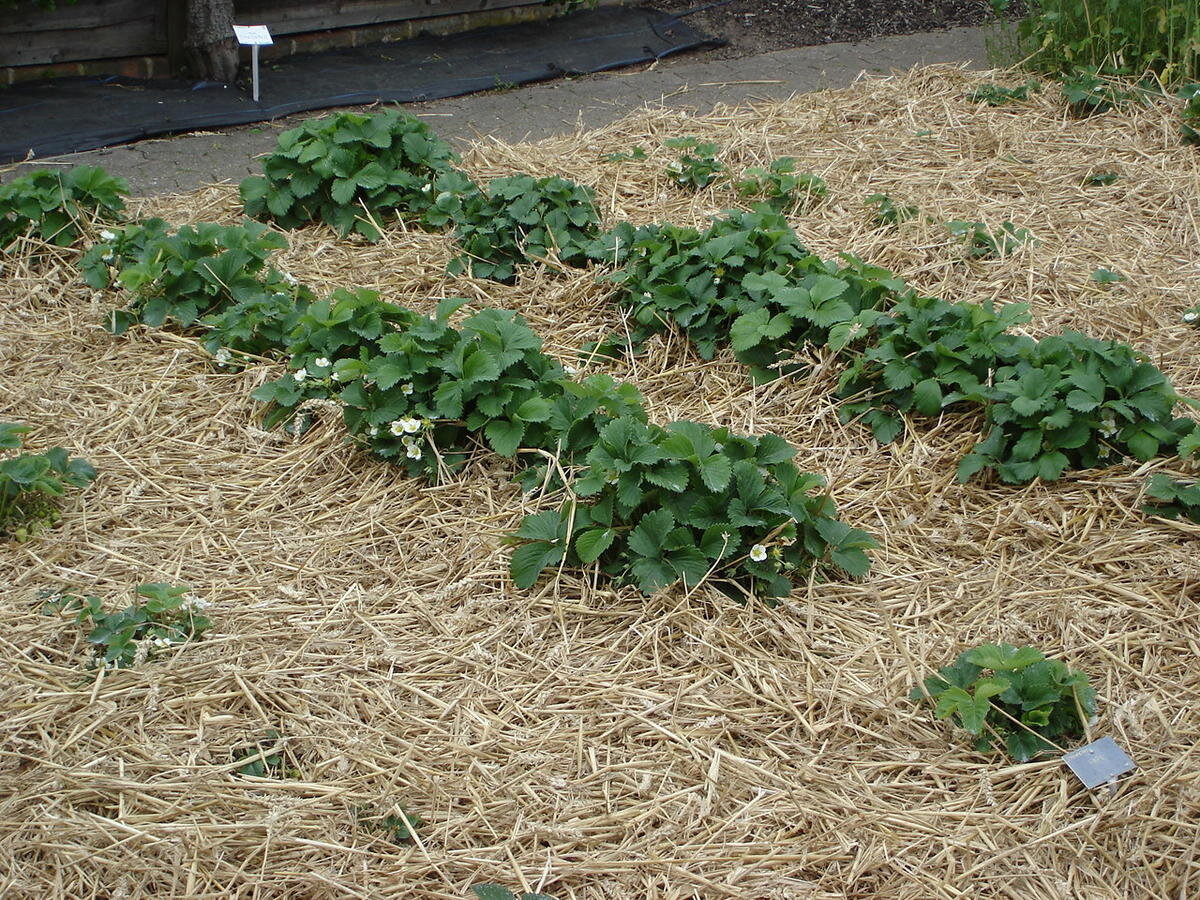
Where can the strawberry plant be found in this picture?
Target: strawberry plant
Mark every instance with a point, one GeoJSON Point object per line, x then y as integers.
{"type": "Point", "coordinates": [1011, 698]}
{"type": "Point", "coordinates": [697, 167]}
{"type": "Point", "coordinates": [1087, 94]}
{"type": "Point", "coordinates": [30, 481]}
{"type": "Point", "coordinates": [693, 279]}
{"type": "Point", "coordinates": [169, 616]}
{"type": "Point", "coordinates": [521, 219]}
{"type": "Point", "coordinates": [924, 355]}
{"type": "Point", "coordinates": [330, 342]}
{"type": "Point", "coordinates": [983, 243]}
{"type": "Point", "coordinates": [693, 503]}
{"type": "Point", "coordinates": [824, 307]}
{"type": "Point", "coordinates": [780, 188]}
{"type": "Point", "coordinates": [263, 757]}
{"type": "Point", "coordinates": [1074, 402]}
{"type": "Point", "coordinates": [198, 271]}
{"type": "Point", "coordinates": [499, 892]}
{"type": "Point", "coordinates": [350, 171]}
{"type": "Point", "coordinates": [56, 207]}
{"type": "Point", "coordinates": [887, 213]}
{"type": "Point", "coordinates": [1189, 126]}
{"type": "Point", "coordinates": [997, 95]}
{"type": "Point", "coordinates": [1173, 499]}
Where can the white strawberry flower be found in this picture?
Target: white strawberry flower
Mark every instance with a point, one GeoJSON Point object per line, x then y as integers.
{"type": "Point", "coordinates": [570, 370]}
{"type": "Point", "coordinates": [289, 278]}
{"type": "Point", "coordinates": [758, 552]}
{"type": "Point", "coordinates": [300, 374]}
{"type": "Point", "coordinates": [321, 362]}
{"type": "Point", "coordinates": [222, 356]}
{"type": "Point", "coordinates": [406, 426]}
{"type": "Point", "coordinates": [106, 235]}
{"type": "Point", "coordinates": [1190, 317]}
{"type": "Point", "coordinates": [406, 389]}
{"type": "Point", "coordinates": [373, 431]}
{"type": "Point", "coordinates": [413, 452]}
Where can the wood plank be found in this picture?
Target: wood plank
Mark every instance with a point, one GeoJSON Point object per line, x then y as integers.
{"type": "Point", "coordinates": [69, 16]}
{"type": "Point", "coordinates": [319, 15]}
{"type": "Point", "coordinates": [136, 38]}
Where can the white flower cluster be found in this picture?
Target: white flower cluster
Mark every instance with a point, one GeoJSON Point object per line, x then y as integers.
{"type": "Point", "coordinates": [406, 426]}
{"type": "Point", "coordinates": [1191, 316]}
{"type": "Point", "coordinates": [193, 604]}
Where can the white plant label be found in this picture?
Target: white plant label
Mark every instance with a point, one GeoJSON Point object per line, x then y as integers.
{"type": "Point", "coordinates": [253, 35]}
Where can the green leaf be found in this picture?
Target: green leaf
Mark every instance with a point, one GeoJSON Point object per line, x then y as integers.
{"type": "Point", "coordinates": [648, 537]}
{"type": "Point", "coordinates": [492, 892]}
{"type": "Point", "coordinates": [927, 397]}
{"type": "Point", "coordinates": [504, 436]}
{"type": "Point", "coordinates": [543, 526]}
{"type": "Point", "coordinates": [480, 365]}
{"type": "Point", "coordinates": [1003, 657]}
{"type": "Point", "coordinates": [529, 560]}
{"type": "Point", "coordinates": [593, 542]}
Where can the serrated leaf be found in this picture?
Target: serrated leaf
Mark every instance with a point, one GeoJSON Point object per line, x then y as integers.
{"type": "Point", "coordinates": [593, 542]}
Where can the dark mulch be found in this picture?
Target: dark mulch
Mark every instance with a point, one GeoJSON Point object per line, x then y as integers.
{"type": "Point", "coordinates": [759, 26]}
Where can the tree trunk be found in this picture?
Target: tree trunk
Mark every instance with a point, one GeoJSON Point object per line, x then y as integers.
{"type": "Point", "coordinates": [212, 53]}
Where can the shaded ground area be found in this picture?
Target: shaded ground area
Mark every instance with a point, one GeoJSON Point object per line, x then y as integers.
{"type": "Point", "coordinates": [759, 26]}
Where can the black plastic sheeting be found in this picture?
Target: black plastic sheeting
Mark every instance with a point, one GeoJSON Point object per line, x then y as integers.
{"type": "Point", "coordinates": [67, 115]}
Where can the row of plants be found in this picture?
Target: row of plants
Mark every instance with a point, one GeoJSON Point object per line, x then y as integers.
{"type": "Point", "coordinates": [649, 505]}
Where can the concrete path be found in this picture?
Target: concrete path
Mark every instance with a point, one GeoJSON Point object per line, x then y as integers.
{"type": "Point", "coordinates": [183, 162]}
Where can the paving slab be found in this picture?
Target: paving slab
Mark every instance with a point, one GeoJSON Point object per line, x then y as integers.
{"type": "Point", "coordinates": [184, 162]}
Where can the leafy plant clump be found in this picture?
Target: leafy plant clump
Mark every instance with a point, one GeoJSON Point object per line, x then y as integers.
{"type": "Point", "coordinates": [215, 276]}
{"type": "Point", "coordinates": [698, 167]}
{"type": "Point", "coordinates": [417, 390]}
{"type": "Point", "coordinates": [691, 503]}
{"type": "Point", "coordinates": [984, 243]}
{"type": "Point", "coordinates": [925, 355]}
{"type": "Point", "coordinates": [523, 219]}
{"type": "Point", "coordinates": [57, 207]}
{"type": "Point", "coordinates": [1173, 499]}
{"type": "Point", "coordinates": [350, 171]}
{"type": "Point", "coordinates": [1089, 94]}
{"type": "Point", "coordinates": [1012, 699]}
{"type": "Point", "coordinates": [998, 95]}
{"type": "Point", "coordinates": [263, 757]}
{"type": "Point", "coordinates": [499, 892]}
{"type": "Point", "coordinates": [168, 617]}
{"type": "Point", "coordinates": [30, 481]}
{"type": "Point", "coordinates": [780, 188]}
{"type": "Point", "coordinates": [1189, 126]}
{"type": "Point", "coordinates": [888, 213]}
{"type": "Point", "coordinates": [1075, 402]}
{"type": "Point", "coordinates": [746, 281]}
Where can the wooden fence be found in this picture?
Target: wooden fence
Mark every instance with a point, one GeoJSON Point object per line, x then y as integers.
{"type": "Point", "coordinates": [80, 36]}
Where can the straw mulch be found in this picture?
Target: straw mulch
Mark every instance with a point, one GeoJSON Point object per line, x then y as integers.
{"type": "Point", "coordinates": [583, 741]}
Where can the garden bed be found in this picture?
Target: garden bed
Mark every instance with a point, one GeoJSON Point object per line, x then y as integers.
{"type": "Point", "coordinates": [580, 739]}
